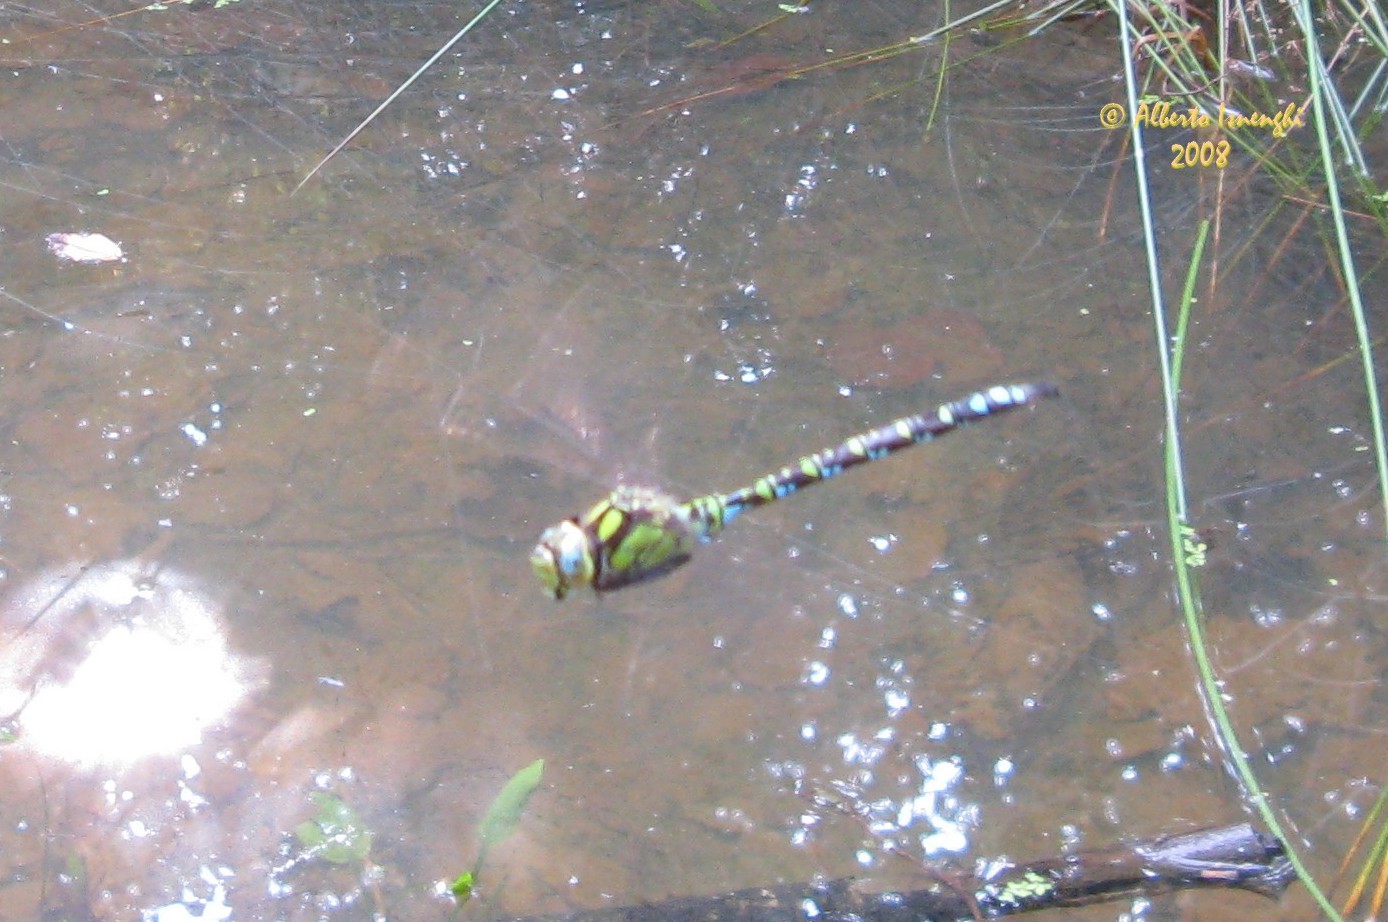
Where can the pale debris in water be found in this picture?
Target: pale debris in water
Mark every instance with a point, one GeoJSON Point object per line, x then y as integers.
{"type": "Point", "coordinates": [85, 248]}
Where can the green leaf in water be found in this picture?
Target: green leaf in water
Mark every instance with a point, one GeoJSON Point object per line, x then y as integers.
{"type": "Point", "coordinates": [75, 870]}
{"type": "Point", "coordinates": [336, 832]}
{"type": "Point", "coordinates": [462, 887]}
{"type": "Point", "coordinates": [499, 822]}
{"type": "Point", "coordinates": [506, 810]}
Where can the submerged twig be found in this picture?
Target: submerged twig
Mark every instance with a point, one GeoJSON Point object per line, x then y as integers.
{"type": "Point", "coordinates": [1238, 857]}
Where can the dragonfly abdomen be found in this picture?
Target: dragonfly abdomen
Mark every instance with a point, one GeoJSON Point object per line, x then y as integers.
{"type": "Point", "coordinates": [879, 443]}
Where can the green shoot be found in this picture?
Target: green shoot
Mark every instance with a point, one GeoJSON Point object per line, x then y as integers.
{"type": "Point", "coordinates": [499, 822]}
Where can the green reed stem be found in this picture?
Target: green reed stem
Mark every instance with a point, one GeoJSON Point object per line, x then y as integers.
{"type": "Point", "coordinates": [1321, 93]}
{"type": "Point", "coordinates": [1185, 549]}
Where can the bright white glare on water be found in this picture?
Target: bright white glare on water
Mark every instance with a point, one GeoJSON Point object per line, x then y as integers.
{"type": "Point", "coordinates": [115, 663]}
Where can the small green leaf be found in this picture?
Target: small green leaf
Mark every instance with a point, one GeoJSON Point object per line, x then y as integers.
{"type": "Point", "coordinates": [336, 833]}
{"type": "Point", "coordinates": [1193, 547]}
{"type": "Point", "coordinates": [505, 812]}
{"type": "Point", "coordinates": [309, 834]}
{"type": "Point", "coordinates": [76, 869]}
{"type": "Point", "coordinates": [462, 887]}
{"type": "Point", "coordinates": [498, 823]}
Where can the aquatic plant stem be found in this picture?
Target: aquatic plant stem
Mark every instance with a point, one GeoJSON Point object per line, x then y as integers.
{"type": "Point", "coordinates": [395, 94]}
{"type": "Point", "coordinates": [1178, 524]}
{"type": "Point", "coordinates": [1315, 69]}
{"type": "Point", "coordinates": [1149, 239]}
{"type": "Point", "coordinates": [1182, 536]}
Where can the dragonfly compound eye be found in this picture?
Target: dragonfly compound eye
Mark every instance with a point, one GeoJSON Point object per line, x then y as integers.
{"type": "Point", "coordinates": [563, 559]}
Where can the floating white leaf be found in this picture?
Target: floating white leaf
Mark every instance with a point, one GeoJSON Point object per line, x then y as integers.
{"type": "Point", "coordinates": [84, 248]}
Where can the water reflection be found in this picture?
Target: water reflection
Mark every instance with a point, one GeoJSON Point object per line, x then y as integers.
{"type": "Point", "coordinates": [110, 664]}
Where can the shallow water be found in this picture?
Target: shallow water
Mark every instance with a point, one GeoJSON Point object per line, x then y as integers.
{"type": "Point", "coordinates": [271, 480]}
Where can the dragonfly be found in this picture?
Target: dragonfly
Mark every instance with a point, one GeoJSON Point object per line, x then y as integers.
{"type": "Point", "coordinates": [638, 533]}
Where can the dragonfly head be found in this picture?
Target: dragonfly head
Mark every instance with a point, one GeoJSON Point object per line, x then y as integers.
{"type": "Point", "coordinates": [564, 559]}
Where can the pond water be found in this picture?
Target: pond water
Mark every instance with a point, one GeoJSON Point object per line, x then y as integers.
{"type": "Point", "coordinates": [270, 479]}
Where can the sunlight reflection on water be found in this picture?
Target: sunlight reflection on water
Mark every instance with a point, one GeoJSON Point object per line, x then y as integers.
{"type": "Point", "coordinates": [116, 664]}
